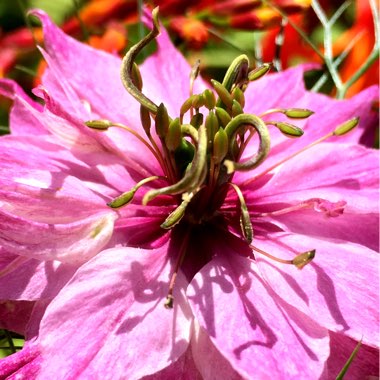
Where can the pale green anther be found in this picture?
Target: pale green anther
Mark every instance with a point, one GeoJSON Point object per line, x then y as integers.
{"type": "Point", "coordinates": [145, 119]}
{"type": "Point", "coordinates": [245, 220]}
{"type": "Point", "coordinates": [198, 101]}
{"type": "Point", "coordinates": [238, 95]}
{"type": "Point", "coordinates": [298, 113]}
{"type": "Point", "coordinates": [209, 99]}
{"type": "Point", "coordinates": [187, 104]}
{"type": "Point", "coordinates": [136, 77]}
{"type": "Point", "coordinates": [174, 135]}
{"type": "Point", "coordinates": [220, 146]}
{"type": "Point", "coordinates": [346, 127]}
{"type": "Point", "coordinates": [236, 108]}
{"type": "Point", "coordinates": [193, 177]}
{"type": "Point", "coordinates": [197, 120]}
{"type": "Point", "coordinates": [259, 72]}
{"type": "Point", "coordinates": [223, 116]}
{"type": "Point", "coordinates": [128, 61]}
{"type": "Point", "coordinates": [162, 121]}
{"type": "Point", "coordinates": [224, 96]}
{"type": "Point", "coordinates": [236, 75]}
{"type": "Point", "coordinates": [287, 129]}
{"type": "Point", "coordinates": [123, 199]}
{"type": "Point", "coordinates": [232, 128]}
{"type": "Point", "coordinates": [303, 259]}
{"type": "Point", "coordinates": [101, 124]}
{"type": "Point", "coordinates": [175, 217]}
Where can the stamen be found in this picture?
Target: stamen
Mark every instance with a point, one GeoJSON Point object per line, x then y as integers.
{"type": "Point", "coordinates": [245, 220]}
{"type": "Point", "coordinates": [169, 302]}
{"type": "Point", "coordinates": [287, 129]}
{"type": "Point", "coordinates": [126, 198]}
{"type": "Point", "coordinates": [194, 74]}
{"type": "Point", "coordinates": [339, 131]}
{"type": "Point", "coordinates": [259, 72]}
{"type": "Point", "coordinates": [292, 113]}
{"type": "Point", "coordinates": [191, 181]}
{"type": "Point", "coordinates": [236, 75]}
{"type": "Point", "coordinates": [300, 261]}
{"type": "Point", "coordinates": [175, 217]}
{"type": "Point", "coordinates": [103, 125]}
{"type": "Point", "coordinates": [241, 121]}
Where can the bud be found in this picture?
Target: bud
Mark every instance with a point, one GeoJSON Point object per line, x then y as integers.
{"type": "Point", "coordinates": [222, 92]}
{"type": "Point", "coordinates": [145, 119]}
{"type": "Point", "coordinates": [303, 259]}
{"type": "Point", "coordinates": [259, 72]}
{"type": "Point", "coordinates": [209, 99]}
{"type": "Point", "coordinates": [174, 136]}
{"type": "Point", "coordinates": [289, 130]}
{"type": "Point", "coordinates": [346, 127]}
{"type": "Point", "coordinates": [162, 121]}
{"type": "Point", "coordinates": [223, 116]}
{"type": "Point", "coordinates": [220, 146]}
{"type": "Point", "coordinates": [298, 113]}
{"type": "Point", "coordinates": [122, 200]}
{"type": "Point", "coordinates": [101, 125]}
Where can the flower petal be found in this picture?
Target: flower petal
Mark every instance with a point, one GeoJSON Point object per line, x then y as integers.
{"type": "Point", "coordinates": [321, 288]}
{"type": "Point", "coordinates": [114, 304]}
{"type": "Point", "coordinates": [264, 337]}
{"type": "Point", "coordinates": [322, 179]}
{"type": "Point", "coordinates": [73, 243]}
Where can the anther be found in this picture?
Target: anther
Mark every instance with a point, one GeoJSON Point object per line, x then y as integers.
{"type": "Point", "coordinates": [289, 130]}
{"type": "Point", "coordinates": [259, 72]}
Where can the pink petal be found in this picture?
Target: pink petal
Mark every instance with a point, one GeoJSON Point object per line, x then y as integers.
{"type": "Point", "coordinates": [365, 364]}
{"type": "Point", "coordinates": [114, 304]}
{"type": "Point", "coordinates": [73, 242]}
{"type": "Point", "coordinates": [24, 364]}
{"type": "Point", "coordinates": [264, 337]}
{"type": "Point", "coordinates": [34, 279]}
{"type": "Point", "coordinates": [329, 174]}
{"type": "Point", "coordinates": [339, 289]}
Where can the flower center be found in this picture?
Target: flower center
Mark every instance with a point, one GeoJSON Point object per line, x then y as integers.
{"type": "Point", "coordinates": [203, 147]}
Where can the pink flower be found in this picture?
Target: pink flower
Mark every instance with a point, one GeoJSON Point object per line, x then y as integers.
{"type": "Point", "coordinates": [91, 281]}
